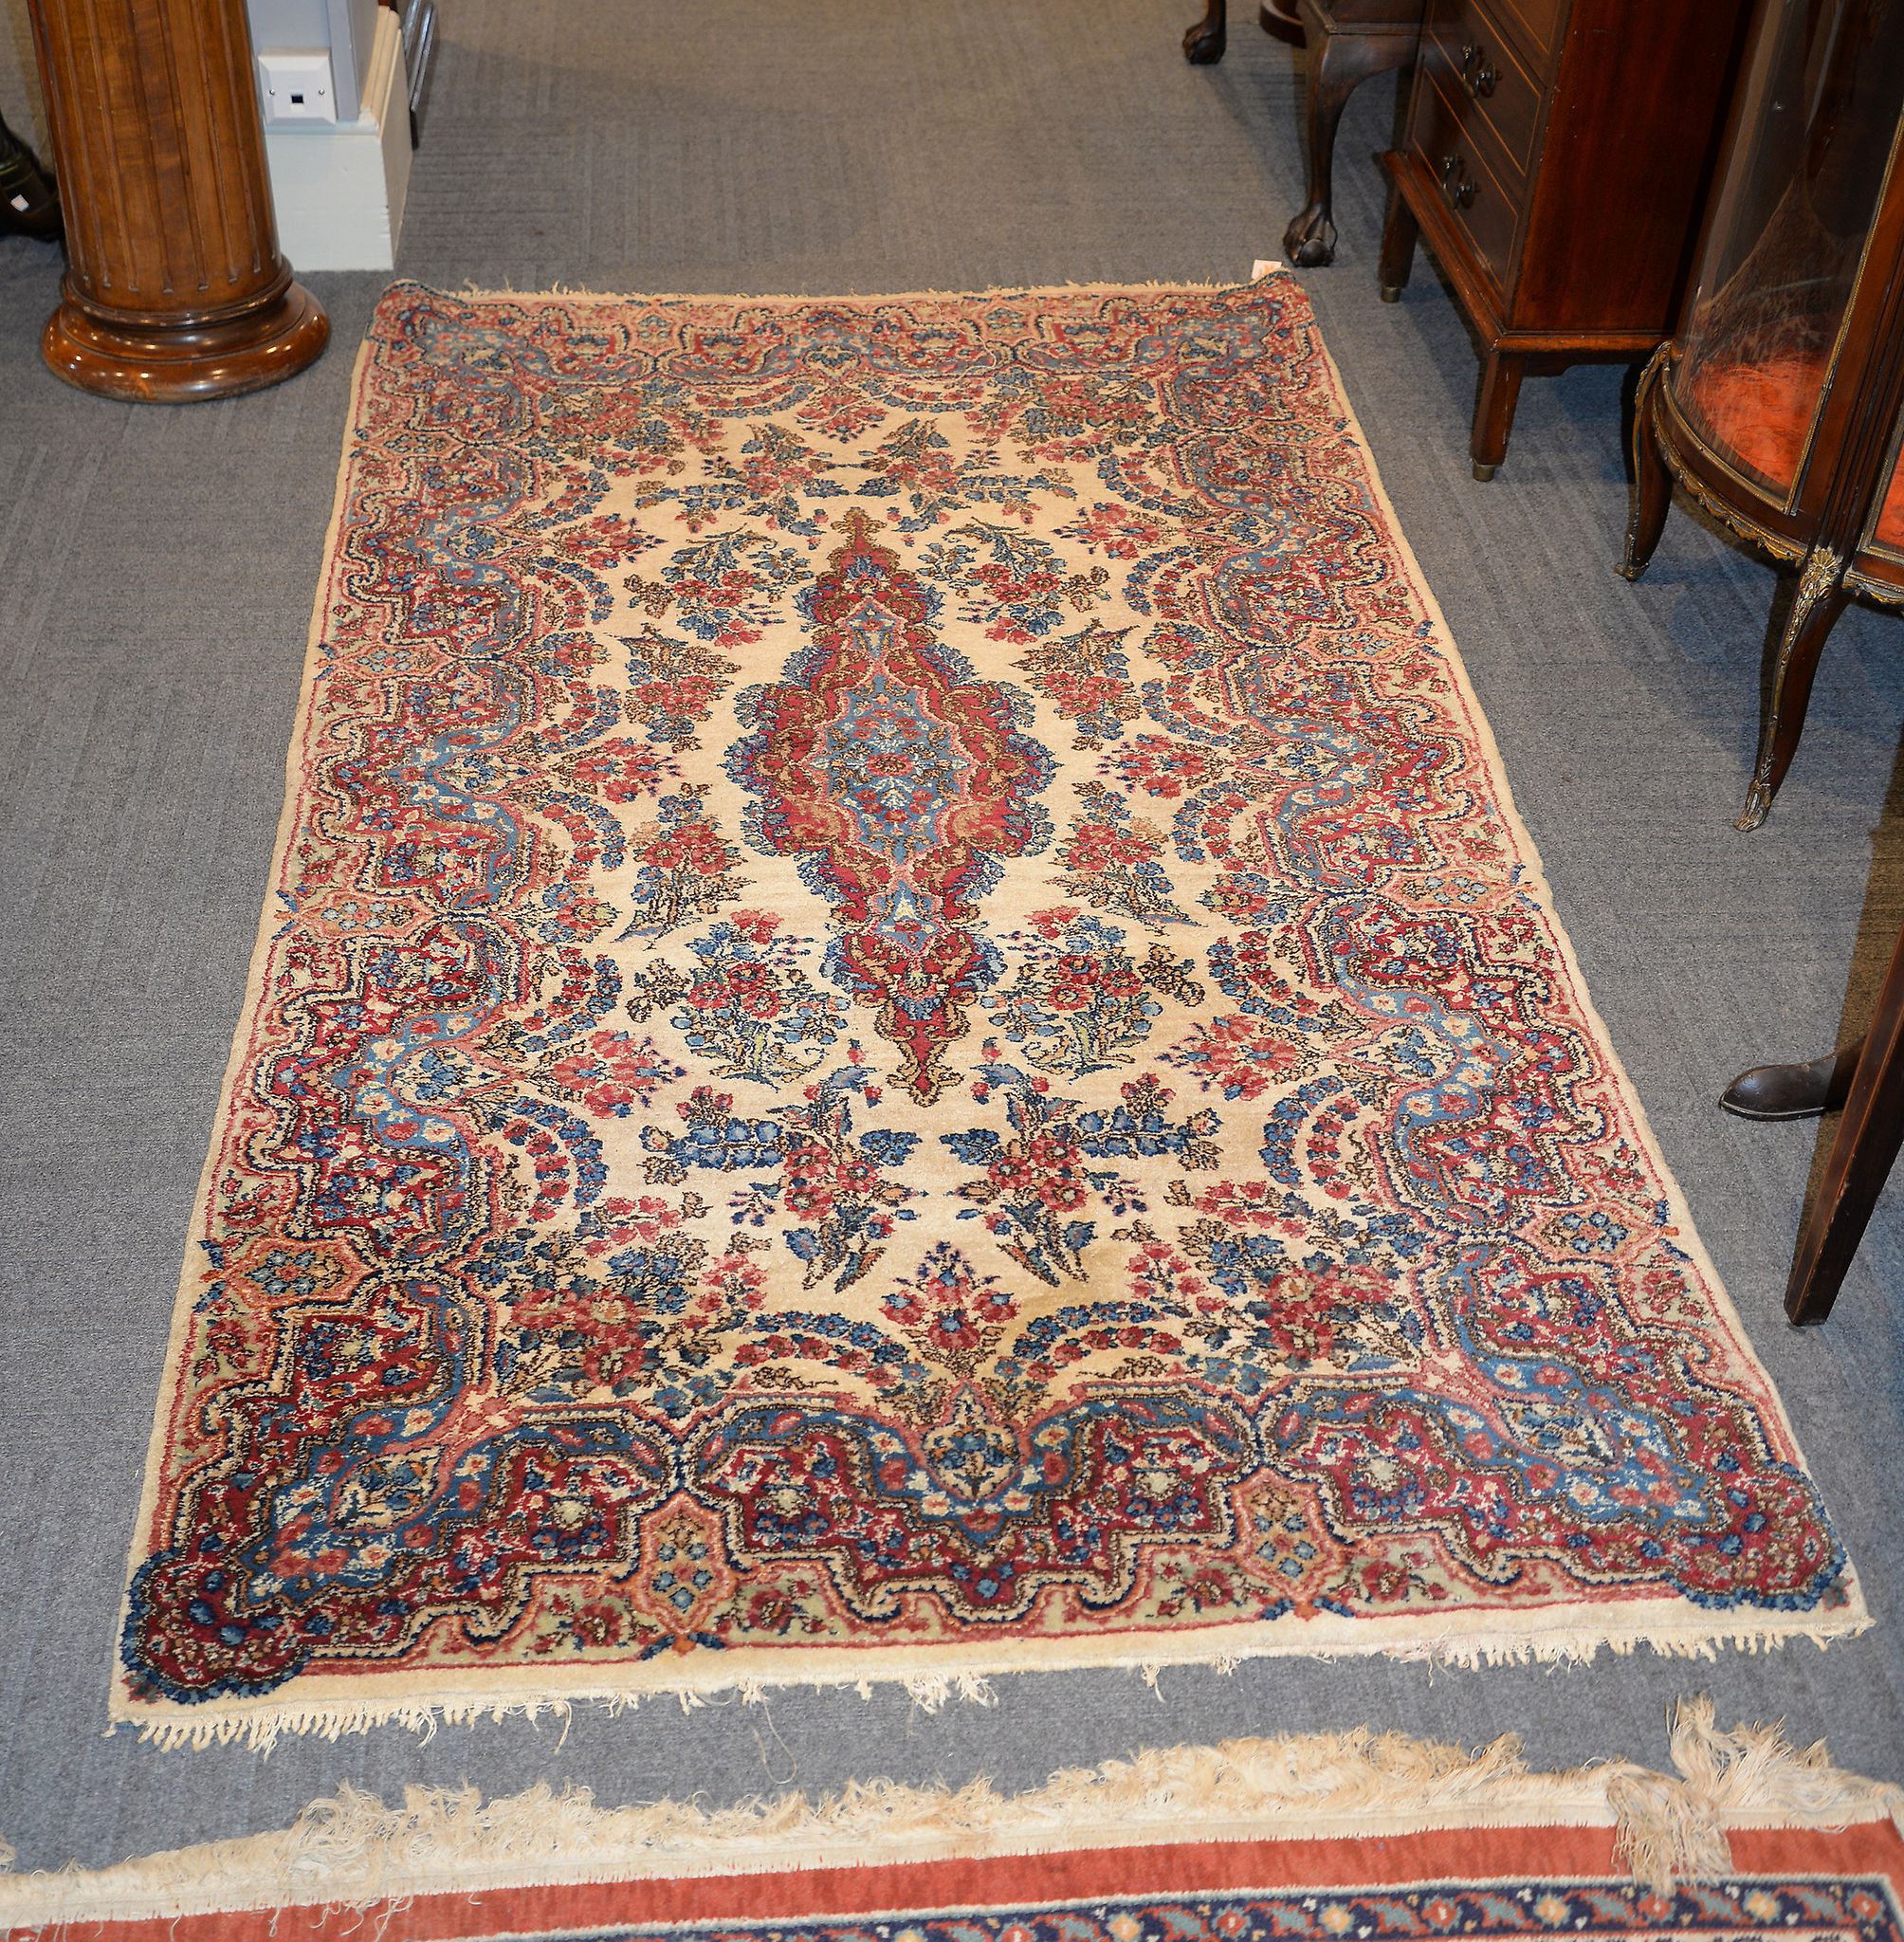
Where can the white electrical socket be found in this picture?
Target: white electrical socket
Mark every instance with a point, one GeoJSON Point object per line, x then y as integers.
{"type": "Point", "coordinates": [297, 85]}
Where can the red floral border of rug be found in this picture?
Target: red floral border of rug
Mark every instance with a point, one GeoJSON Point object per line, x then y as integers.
{"type": "Point", "coordinates": [1381, 1837]}
{"type": "Point", "coordinates": [905, 1031]}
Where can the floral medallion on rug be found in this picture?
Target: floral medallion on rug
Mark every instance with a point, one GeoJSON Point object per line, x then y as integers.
{"type": "Point", "coordinates": [905, 1031]}
{"type": "Point", "coordinates": [1326, 1838]}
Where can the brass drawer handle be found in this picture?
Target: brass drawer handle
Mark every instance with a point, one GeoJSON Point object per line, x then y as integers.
{"type": "Point", "coordinates": [1478, 74]}
{"type": "Point", "coordinates": [1457, 183]}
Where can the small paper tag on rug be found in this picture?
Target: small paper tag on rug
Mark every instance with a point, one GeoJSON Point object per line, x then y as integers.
{"type": "Point", "coordinates": [1262, 267]}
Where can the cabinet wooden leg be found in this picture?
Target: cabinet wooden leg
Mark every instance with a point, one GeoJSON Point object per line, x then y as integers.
{"type": "Point", "coordinates": [1652, 477]}
{"type": "Point", "coordinates": [1206, 40]}
{"type": "Point", "coordinates": [1500, 392]}
{"type": "Point", "coordinates": [1816, 605]}
{"type": "Point", "coordinates": [1861, 1157]}
{"type": "Point", "coordinates": [1398, 235]}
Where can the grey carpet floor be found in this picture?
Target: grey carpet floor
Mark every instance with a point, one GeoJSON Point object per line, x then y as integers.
{"type": "Point", "coordinates": [157, 569]}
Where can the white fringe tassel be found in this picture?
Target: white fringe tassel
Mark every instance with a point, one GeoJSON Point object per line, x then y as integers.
{"type": "Point", "coordinates": [351, 1850]}
{"type": "Point", "coordinates": [260, 1724]}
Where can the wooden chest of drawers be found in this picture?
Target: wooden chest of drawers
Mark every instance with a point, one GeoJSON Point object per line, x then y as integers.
{"type": "Point", "coordinates": [1555, 161]}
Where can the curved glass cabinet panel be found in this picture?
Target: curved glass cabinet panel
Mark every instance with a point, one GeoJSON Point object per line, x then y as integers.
{"type": "Point", "coordinates": [1819, 114]}
{"type": "Point", "coordinates": [1778, 403]}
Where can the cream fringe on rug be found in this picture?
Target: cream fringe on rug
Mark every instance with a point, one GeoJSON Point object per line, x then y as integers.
{"type": "Point", "coordinates": [351, 1850]}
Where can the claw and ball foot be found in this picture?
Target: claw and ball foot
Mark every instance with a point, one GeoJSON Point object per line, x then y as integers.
{"type": "Point", "coordinates": [1206, 40]}
{"type": "Point", "coordinates": [1339, 62]}
{"type": "Point", "coordinates": [1310, 240]}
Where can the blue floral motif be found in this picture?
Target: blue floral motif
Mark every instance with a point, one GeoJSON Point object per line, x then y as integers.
{"type": "Point", "coordinates": [728, 588]}
{"type": "Point", "coordinates": [1011, 580]}
{"type": "Point", "coordinates": [834, 1184]}
{"type": "Point", "coordinates": [1037, 1178]}
{"type": "Point", "coordinates": [748, 1007]}
{"type": "Point", "coordinates": [1079, 1002]}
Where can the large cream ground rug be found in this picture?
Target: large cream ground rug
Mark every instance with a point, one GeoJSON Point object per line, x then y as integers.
{"type": "Point", "coordinates": [905, 1031]}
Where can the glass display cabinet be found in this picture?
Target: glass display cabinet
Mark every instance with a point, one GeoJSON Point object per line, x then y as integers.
{"type": "Point", "coordinates": [1777, 403]}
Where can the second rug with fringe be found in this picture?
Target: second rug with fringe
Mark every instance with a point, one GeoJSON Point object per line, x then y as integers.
{"type": "Point", "coordinates": [1317, 1838]}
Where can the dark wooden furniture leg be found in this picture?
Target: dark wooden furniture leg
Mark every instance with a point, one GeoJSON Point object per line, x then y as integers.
{"type": "Point", "coordinates": [1400, 235]}
{"type": "Point", "coordinates": [1652, 477]}
{"type": "Point", "coordinates": [1339, 63]}
{"type": "Point", "coordinates": [1868, 1138]}
{"type": "Point", "coordinates": [1204, 42]}
{"type": "Point", "coordinates": [1819, 599]}
{"type": "Point", "coordinates": [1500, 392]}
{"type": "Point", "coordinates": [174, 288]}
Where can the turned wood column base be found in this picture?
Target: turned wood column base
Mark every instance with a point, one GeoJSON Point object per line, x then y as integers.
{"type": "Point", "coordinates": [185, 362]}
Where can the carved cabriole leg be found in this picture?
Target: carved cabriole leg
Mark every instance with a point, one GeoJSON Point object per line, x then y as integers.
{"type": "Point", "coordinates": [1204, 42]}
{"type": "Point", "coordinates": [1399, 234]}
{"type": "Point", "coordinates": [1861, 1157]}
{"type": "Point", "coordinates": [1652, 476]}
{"type": "Point", "coordinates": [1815, 607]}
{"type": "Point", "coordinates": [1500, 391]}
{"type": "Point", "coordinates": [174, 289]}
{"type": "Point", "coordinates": [1338, 65]}
{"type": "Point", "coordinates": [1332, 76]}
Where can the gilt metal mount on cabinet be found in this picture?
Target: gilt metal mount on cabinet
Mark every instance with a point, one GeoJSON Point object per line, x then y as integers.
{"type": "Point", "coordinates": [1777, 403]}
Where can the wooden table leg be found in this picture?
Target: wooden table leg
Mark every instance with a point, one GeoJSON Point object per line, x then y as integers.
{"type": "Point", "coordinates": [1868, 1138]}
{"type": "Point", "coordinates": [1400, 235]}
{"type": "Point", "coordinates": [174, 289]}
{"type": "Point", "coordinates": [1339, 62]}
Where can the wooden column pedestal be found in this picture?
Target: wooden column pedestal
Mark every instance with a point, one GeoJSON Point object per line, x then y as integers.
{"type": "Point", "coordinates": [174, 288]}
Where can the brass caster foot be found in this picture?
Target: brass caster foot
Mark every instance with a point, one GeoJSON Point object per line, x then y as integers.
{"type": "Point", "coordinates": [1485, 472]}
{"type": "Point", "coordinates": [1391, 293]}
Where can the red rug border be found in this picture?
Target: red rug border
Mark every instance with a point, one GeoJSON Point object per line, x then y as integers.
{"type": "Point", "coordinates": [1349, 1864]}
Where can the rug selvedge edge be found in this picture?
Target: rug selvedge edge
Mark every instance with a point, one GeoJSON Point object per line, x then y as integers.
{"type": "Point", "coordinates": [270, 919]}
{"type": "Point", "coordinates": [1533, 866]}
